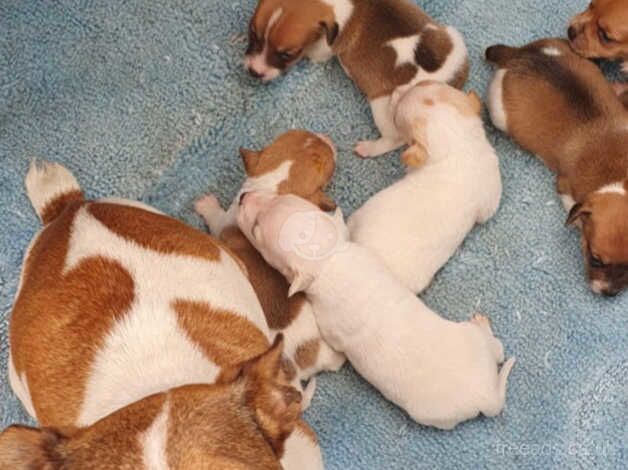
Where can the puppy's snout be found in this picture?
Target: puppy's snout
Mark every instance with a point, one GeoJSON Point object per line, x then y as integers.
{"type": "Point", "coordinates": [254, 73]}
{"type": "Point", "coordinates": [572, 33]}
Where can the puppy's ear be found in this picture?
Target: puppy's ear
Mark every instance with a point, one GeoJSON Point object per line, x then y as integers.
{"type": "Point", "coordinates": [577, 212]}
{"type": "Point", "coordinates": [476, 101]}
{"type": "Point", "coordinates": [330, 30]}
{"type": "Point", "coordinates": [300, 283]}
{"type": "Point", "coordinates": [23, 448]}
{"type": "Point", "coordinates": [249, 159]}
{"type": "Point", "coordinates": [414, 156]}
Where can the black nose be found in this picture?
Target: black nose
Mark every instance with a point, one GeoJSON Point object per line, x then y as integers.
{"type": "Point", "coordinates": [242, 196]}
{"type": "Point", "coordinates": [254, 73]}
{"type": "Point", "coordinates": [572, 33]}
{"type": "Point", "coordinates": [610, 293]}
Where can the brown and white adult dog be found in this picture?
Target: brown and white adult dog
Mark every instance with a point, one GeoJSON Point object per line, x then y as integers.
{"type": "Point", "coordinates": [559, 106]}
{"type": "Point", "coordinates": [120, 311]}
{"type": "Point", "coordinates": [601, 31]}
{"type": "Point", "coordinates": [381, 44]}
{"type": "Point", "coordinates": [301, 163]}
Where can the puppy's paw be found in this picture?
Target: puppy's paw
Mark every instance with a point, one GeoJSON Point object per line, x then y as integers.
{"type": "Point", "coordinates": [364, 149]}
{"type": "Point", "coordinates": [207, 206]}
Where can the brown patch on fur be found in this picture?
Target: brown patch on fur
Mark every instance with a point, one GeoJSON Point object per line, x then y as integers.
{"type": "Point", "coordinates": [603, 17]}
{"type": "Point", "coordinates": [155, 232]}
{"type": "Point", "coordinates": [461, 76]}
{"type": "Point", "coordinates": [307, 353]}
{"type": "Point", "coordinates": [433, 49]}
{"type": "Point", "coordinates": [55, 207]}
{"type": "Point", "coordinates": [288, 369]}
{"type": "Point", "coordinates": [22, 447]}
{"type": "Point", "coordinates": [414, 156]}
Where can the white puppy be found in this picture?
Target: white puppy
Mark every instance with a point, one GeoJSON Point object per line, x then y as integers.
{"type": "Point", "coordinates": [440, 372]}
{"type": "Point", "coordinates": [453, 182]}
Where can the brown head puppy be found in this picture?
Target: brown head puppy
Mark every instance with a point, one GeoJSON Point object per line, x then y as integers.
{"type": "Point", "coordinates": [601, 31]}
{"type": "Point", "coordinates": [559, 106]}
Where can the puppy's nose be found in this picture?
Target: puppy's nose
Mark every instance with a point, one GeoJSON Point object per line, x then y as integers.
{"type": "Point", "coordinates": [242, 197]}
{"type": "Point", "coordinates": [572, 33]}
{"type": "Point", "coordinates": [610, 293]}
{"type": "Point", "coordinates": [254, 73]}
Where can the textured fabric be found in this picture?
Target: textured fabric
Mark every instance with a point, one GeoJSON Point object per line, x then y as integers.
{"type": "Point", "coordinates": [148, 99]}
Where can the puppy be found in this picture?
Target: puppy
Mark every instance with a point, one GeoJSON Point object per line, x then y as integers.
{"type": "Point", "coordinates": [297, 162]}
{"type": "Point", "coordinates": [559, 106]}
{"type": "Point", "coordinates": [381, 45]}
{"type": "Point", "coordinates": [453, 182]}
{"type": "Point", "coordinates": [440, 372]}
{"type": "Point", "coordinates": [601, 31]}
{"type": "Point", "coordinates": [120, 312]}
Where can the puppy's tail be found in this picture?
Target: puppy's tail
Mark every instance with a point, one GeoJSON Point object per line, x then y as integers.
{"type": "Point", "coordinates": [51, 188]}
{"type": "Point", "coordinates": [496, 407]}
{"type": "Point", "coordinates": [500, 54]}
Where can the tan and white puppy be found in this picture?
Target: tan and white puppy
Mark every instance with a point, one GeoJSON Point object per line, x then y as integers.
{"type": "Point", "coordinates": [118, 309]}
{"type": "Point", "coordinates": [380, 44]}
{"type": "Point", "coordinates": [601, 31]}
{"type": "Point", "coordinates": [559, 106]}
{"type": "Point", "coordinates": [297, 162]}
{"type": "Point", "coordinates": [453, 182]}
{"type": "Point", "coordinates": [440, 372]}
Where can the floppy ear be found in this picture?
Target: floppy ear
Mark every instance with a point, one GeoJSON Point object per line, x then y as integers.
{"type": "Point", "coordinates": [414, 156]}
{"type": "Point", "coordinates": [330, 30]}
{"type": "Point", "coordinates": [323, 201]}
{"type": "Point", "coordinates": [23, 448]}
{"type": "Point", "coordinates": [576, 213]}
{"type": "Point", "coordinates": [250, 159]}
{"type": "Point", "coordinates": [277, 405]}
{"type": "Point", "coordinates": [476, 101]}
{"type": "Point", "coordinates": [300, 283]}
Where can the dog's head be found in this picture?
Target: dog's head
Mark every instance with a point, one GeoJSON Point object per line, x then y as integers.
{"type": "Point", "coordinates": [603, 217]}
{"type": "Point", "coordinates": [601, 31]}
{"type": "Point", "coordinates": [297, 162]}
{"type": "Point", "coordinates": [239, 424]}
{"type": "Point", "coordinates": [280, 32]}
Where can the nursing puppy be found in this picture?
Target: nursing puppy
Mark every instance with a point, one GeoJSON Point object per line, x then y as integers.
{"type": "Point", "coordinates": [452, 183]}
{"type": "Point", "coordinates": [559, 106]}
{"type": "Point", "coordinates": [297, 162]}
{"type": "Point", "coordinates": [601, 31]}
{"type": "Point", "coordinates": [141, 342]}
{"type": "Point", "coordinates": [380, 44]}
{"type": "Point", "coordinates": [440, 372]}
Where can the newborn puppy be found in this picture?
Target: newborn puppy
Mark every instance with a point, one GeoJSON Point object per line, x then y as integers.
{"type": "Point", "coordinates": [440, 372]}
{"type": "Point", "coordinates": [381, 45]}
{"type": "Point", "coordinates": [453, 182]}
{"type": "Point", "coordinates": [559, 106]}
{"type": "Point", "coordinates": [601, 31]}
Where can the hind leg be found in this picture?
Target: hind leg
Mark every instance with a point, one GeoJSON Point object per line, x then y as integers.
{"type": "Point", "coordinates": [390, 138]}
{"type": "Point", "coordinates": [484, 323]}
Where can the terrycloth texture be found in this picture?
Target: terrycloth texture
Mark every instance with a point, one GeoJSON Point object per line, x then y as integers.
{"type": "Point", "coordinates": [147, 99]}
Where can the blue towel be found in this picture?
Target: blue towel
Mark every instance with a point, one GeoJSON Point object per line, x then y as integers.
{"type": "Point", "coordinates": [148, 99]}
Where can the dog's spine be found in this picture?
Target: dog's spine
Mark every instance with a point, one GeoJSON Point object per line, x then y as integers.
{"type": "Point", "coordinates": [51, 188]}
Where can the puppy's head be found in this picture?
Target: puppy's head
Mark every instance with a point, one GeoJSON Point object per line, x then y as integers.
{"type": "Point", "coordinates": [429, 102]}
{"type": "Point", "coordinates": [280, 32]}
{"type": "Point", "coordinates": [292, 234]}
{"type": "Point", "coordinates": [242, 424]}
{"type": "Point", "coordinates": [603, 217]}
{"type": "Point", "coordinates": [601, 31]}
{"type": "Point", "coordinates": [297, 162]}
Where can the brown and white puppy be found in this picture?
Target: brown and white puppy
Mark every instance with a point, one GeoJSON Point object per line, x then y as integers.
{"type": "Point", "coordinates": [297, 162]}
{"type": "Point", "coordinates": [559, 106]}
{"type": "Point", "coordinates": [380, 44]}
{"type": "Point", "coordinates": [601, 31]}
{"type": "Point", "coordinates": [119, 309]}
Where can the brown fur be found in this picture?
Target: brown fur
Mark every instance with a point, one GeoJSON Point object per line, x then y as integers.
{"type": "Point", "coordinates": [609, 16]}
{"type": "Point", "coordinates": [563, 109]}
{"type": "Point", "coordinates": [307, 353]}
{"type": "Point", "coordinates": [53, 209]}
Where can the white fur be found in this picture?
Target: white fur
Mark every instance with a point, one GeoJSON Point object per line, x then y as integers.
{"type": "Point", "coordinates": [47, 180]}
{"type": "Point", "coordinates": [258, 62]}
{"type": "Point", "coordinates": [440, 372]}
{"type": "Point", "coordinates": [154, 441]}
{"type": "Point", "coordinates": [405, 48]}
{"type": "Point", "coordinates": [19, 384]}
{"type": "Point", "coordinates": [301, 453]}
{"type": "Point", "coordinates": [129, 202]}
{"type": "Point", "coordinates": [417, 224]}
{"type": "Point", "coordinates": [599, 287]}
{"type": "Point", "coordinates": [613, 188]}
{"type": "Point", "coordinates": [343, 9]}
{"type": "Point", "coordinates": [390, 138]}
{"type": "Point", "coordinates": [552, 51]}
{"type": "Point", "coordinates": [146, 352]}
{"type": "Point", "coordinates": [496, 101]}
{"type": "Point", "coordinates": [568, 201]}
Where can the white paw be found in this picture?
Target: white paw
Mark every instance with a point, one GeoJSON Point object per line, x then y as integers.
{"type": "Point", "coordinates": [207, 205]}
{"type": "Point", "coordinates": [365, 149]}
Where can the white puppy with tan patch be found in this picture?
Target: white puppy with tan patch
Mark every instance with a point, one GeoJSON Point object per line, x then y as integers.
{"type": "Point", "coordinates": [453, 182]}
{"type": "Point", "coordinates": [441, 372]}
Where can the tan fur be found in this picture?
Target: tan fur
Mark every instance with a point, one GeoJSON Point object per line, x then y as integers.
{"type": "Point", "coordinates": [307, 353]}
{"type": "Point", "coordinates": [610, 16]}
{"type": "Point", "coordinates": [54, 208]}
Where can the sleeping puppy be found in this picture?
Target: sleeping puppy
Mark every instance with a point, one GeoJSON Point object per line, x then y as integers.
{"type": "Point", "coordinates": [601, 31]}
{"type": "Point", "coordinates": [440, 372]}
{"type": "Point", "coordinates": [380, 44]}
{"type": "Point", "coordinates": [452, 183]}
{"type": "Point", "coordinates": [559, 106]}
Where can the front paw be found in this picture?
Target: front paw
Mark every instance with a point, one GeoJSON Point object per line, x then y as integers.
{"type": "Point", "coordinates": [365, 149]}
{"type": "Point", "coordinates": [207, 206]}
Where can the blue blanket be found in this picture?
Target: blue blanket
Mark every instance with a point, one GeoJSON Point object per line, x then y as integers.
{"type": "Point", "coordinates": [147, 99]}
